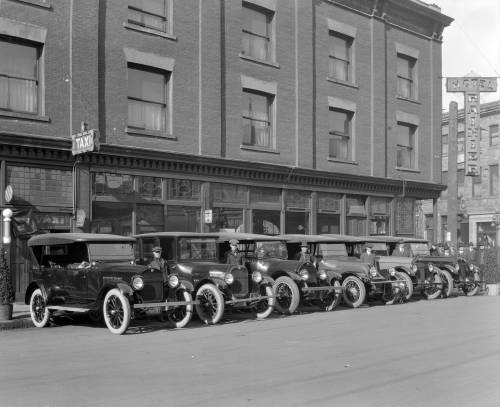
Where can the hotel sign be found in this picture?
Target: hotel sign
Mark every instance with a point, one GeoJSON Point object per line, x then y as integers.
{"type": "Point", "coordinates": [84, 142]}
{"type": "Point", "coordinates": [471, 84]}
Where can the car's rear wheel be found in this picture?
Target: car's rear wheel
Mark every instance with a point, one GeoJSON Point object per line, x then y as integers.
{"type": "Point", "coordinates": [434, 291]}
{"type": "Point", "coordinates": [39, 312]}
{"type": "Point", "coordinates": [331, 299]}
{"type": "Point", "coordinates": [401, 275]}
{"type": "Point", "coordinates": [472, 288]}
{"type": "Point", "coordinates": [210, 306]}
{"type": "Point", "coordinates": [354, 291]}
{"type": "Point", "coordinates": [180, 316]}
{"type": "Point", "coordinates": [265, 307]}
{"type": "Point", "coordinates": [447, 283]}
{"type": "Point", "coordinates": [287, 295]}
{"type": "Point", "coordinates": [116, 311]}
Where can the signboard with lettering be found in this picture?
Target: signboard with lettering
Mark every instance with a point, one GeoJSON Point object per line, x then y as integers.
{"type": "Point", "coordinates": [471, 84]}
{"type": "Point", "coordinates": [208, 215]}
{"type": "Point", "coordinates": [86, 141]}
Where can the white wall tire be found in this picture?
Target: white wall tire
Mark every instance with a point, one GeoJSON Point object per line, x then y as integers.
{"type": "Point", "coordinates": [116, 311]}
{"type": "Point", "coordinates": [210, 306]}
{"type": "Point", "coordinates": [39, 312]}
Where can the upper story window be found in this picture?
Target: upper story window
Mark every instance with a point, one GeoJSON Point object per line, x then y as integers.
{"type": "Point", "coordinates": [406, 76]}
{"type": "Point", "coordinates": [257, 38]}
{"type": "Point", "coordinates": [151, 14]}
{"type": "Point", "coordinates": [340, 58]}
{"type": "Point", "coordinates": [476, 184]}
{"type": "Point", "coordinates": [405, 145]}
{"type": "Point", "coordinates": [19, 76]}
{"type": "Point", "coordinates": [147, 99]}
{"type": "Point", "coordinates": [494, 135]}
{"type": "Point", "coordinates": [494, 179]}
{"type": "Point", "coordinates": [340, 134]}
{"type": "Point", "coordinates": [257, 119]}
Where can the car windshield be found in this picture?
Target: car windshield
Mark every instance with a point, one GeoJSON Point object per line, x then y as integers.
{"type": "Point", "coordinates": [420, 249]}
{"type": "Point", "coordinates": [328, 250]}
{"type": "Point", "coordinates": [197, 249]}
{"type": "Point", "coordinates": [270, 250]}
{"type": "Point", "coordinates": [111, 251]}
{"type": "Point", "coordinates": [380, 249]}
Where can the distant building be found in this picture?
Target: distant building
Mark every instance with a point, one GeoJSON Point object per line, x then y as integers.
{"type": "Point", "coordinates": [254, 115]}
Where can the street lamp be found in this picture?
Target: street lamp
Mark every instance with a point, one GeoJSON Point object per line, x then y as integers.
{"type": "Point", "coordinates": [7, 215]}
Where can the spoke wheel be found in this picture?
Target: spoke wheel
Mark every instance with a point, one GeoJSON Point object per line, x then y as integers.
{"type": "Point", "coordinates": [287, 295]}
{"type": "Point", "coordinates": [408, 282]}
{"type": "Point", "coordinates": [180, 316]}
{"type": "Point", "coordinates": [434, 291]}
{"type": "Point", "coordinates": [472, 288]}
{"type": "Point", "coordinates": [332, 299]}
{"type": "Point", "coordinates": [211, 304]}
{"type": "Point", "coordinates": [354, 291]}
{"type": "Point", "coordinates": [116, 311]}
{"type": "Point", "coordinates": [447, 283]}
{"type": "Point", "coordinates": [38, 309]}
{"type": "Point", "coordinates": [264, 308]}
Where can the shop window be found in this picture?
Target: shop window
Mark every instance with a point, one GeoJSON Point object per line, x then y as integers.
{"type": "Point", "coordinates": [257, 36]}
{"type": "Point", "coordinates": [227, 220]}
{"type": "Point", "coordinates": [406, 76]}
{"type": "Point", "coordinates": [19, 76]}
{"type": "Point", "coordinates": [340, 57]}
{"type": "Point", "coordinates": [257, 119]}
{"type": "Point", "coordinates": [149, 218]}
{"type": "Point", "coordinates": [329, 213]}
{"type": "Point", "coordinates": [266, 222]}
{"type": "Point", "coordinates": [356, 226]}
{"type": "Point", "coordinates": [184, 189]}
{"type": "Point", "coordinates": [150, 14]}
{"type": "Point", "coordinates": [405, 145]}
{"type": "Point", "coordinates": [265, 195]}
{"type": "Point", "coordinates": [147, 99]}
{"type": "Point", "coordinates": [227, 193]}
{"type": "Point", "coordinates": [150, 187]}
{"type": "Point", "coordinates": [107, 184]}
{"type": "Point", "coordinates": [112, 217]}
{"type": "Point", "coordinates": [340, 134]}
{"type": "Point", "coordinates": [298, 199]}
{"type": "Point", "coordinates": [379, 216]}
{"type": "Point", "coordinates": [328, 223]}
{"type": "Point", "coordinates": [183, 218]}
{"type": "Point", "coordinates": [297, 222]}
{"type": "Point", "coordinates": [404, 216]}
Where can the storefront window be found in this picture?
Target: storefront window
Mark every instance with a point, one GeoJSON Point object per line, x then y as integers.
{"type": "Point", "coordinates": [328, 223]}
{"type": "Point", "coordinates": [150, 187]}
{"type": "Point", "coordinates": [112, 184]}
{"type": "Point", "coordinates": [149, 218]}
{"type": "Point", "coordinates": [356, 216]}
{"type": "Point", "coordinates": [329, 211]}
{"type": "Point", "coordinates": [265, 195]}
{"type": "Point", "coordinates": [184, 189]}
{"type": "Point", "coordinates": [110, 217]}
{"type": "Point", "coordinates": [227, 193]}
{"type": "Point", "coordinates": [404, 221]}
{"type": "Point", "coordinates": [379, 216]}
{"type": "Point", "coordinates": [183, 218]}
{"type": "Point", "coordinates": [266, 222]}
{"type": "Point", "coordinates": [298, 199]}
{"type": "Point", "coordinates": [297, 222]}
{"type": "Point", "coordinates": [227, 220]}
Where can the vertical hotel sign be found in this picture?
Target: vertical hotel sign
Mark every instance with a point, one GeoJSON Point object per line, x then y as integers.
{"type": "Point", "coordinates": [471, 87]}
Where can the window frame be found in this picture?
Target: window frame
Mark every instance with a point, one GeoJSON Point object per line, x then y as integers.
{"type": "Point", "coordinates": [493, 183]}
{"type": "Point", "coordinates": [271, 33]}
{"type": "Point", "coordinates": [347, 134]}
{"type": "Point", "coordinates": [166, 17]}
{"type": "Point", "coordinates": [494, 136]}
{"type": "Point", "coordinates": [411, 80]}
{"type": "Point", "coordinates": [349, 41]}
{"type": "Point", "coordinates": [412, 148]}
{"type": "Point", "coordinates": [271, 100]}
{"type": "Point", "coordinates": [476, 184]}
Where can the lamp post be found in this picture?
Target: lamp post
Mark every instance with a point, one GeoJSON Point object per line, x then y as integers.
{"type": "Point", "coordinates": [7, 215]}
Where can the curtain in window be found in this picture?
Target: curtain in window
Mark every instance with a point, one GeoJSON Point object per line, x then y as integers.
{"type": "Point", "coordinates": [339, 57]}
{"type": "Point", "coordinates": [255, 39]}
{"type": "Point", "coordinates": [146, 115]}
{"type": "Point", "coordinates": [256, 123]}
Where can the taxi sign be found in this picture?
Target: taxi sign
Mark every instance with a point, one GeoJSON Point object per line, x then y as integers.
{"type": "Point", "coordinates": [86, 141]}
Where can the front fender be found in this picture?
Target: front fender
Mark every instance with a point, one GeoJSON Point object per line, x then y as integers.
{"type": "Point", "coordinates": [187, 285]}
{"type": "Point", "coordinates": [32, 287]}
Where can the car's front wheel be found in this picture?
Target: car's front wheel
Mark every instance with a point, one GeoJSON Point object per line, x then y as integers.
{"type": "Point", "coordinates": [180, 316]}
{"type": "Point", "coordinates": [210, 306]}
{"type": "Point", "coordinates": [354, 291]}
{"type": "Point", "coordinates": [265, 307]}
{"type": "Point", "coordinates": [434, 291]}
{"type": "Point", "coordinates": [39, 312]}
{"type": "Point", "coordinates": [331, 299]}
{"type": "Point", "coordinates": [116, 311]}
{"type": "Point", "coordinates": [401, 275]}
{"type": "Point", "coordinates": [287, 295]}
{"type": "Point", "coordinates": [447, 283]}
{"type": "Point", "coordinates": [471, 288]}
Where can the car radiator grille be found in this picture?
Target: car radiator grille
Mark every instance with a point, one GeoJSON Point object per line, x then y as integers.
{"type": "Point", "coordinates": [152, 292]}
{"type": "Point", "coordinates": [240, 284]}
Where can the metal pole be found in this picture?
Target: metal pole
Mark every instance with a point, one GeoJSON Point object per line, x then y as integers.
{"type": "Point", "coordinates": [452, 173]}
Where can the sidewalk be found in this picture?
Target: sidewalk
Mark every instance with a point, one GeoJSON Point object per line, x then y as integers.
{"type": "Point", "coordinates": [20, 318]}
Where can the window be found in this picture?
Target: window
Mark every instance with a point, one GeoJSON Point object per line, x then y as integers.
{"type": "Point", "coordinates": [494, 135]}
{"type": "Point", "coordinates": [257, 120]}
{"type": "Point", "coordinates": [147, 99]}
{"type": "Point", "coordinates": [476, 185]}
{"type": "Point", "coordinates": [494, 179]}
{"type": "Point", "coordinates": [340, 57]}
{"type": "Point", "coordinates": [340, 134]}
{"type": "Point", "coordinates": [406, 76]}
{"type": "Point", "coordinates": [18, 76]}
{"type": "Point", "coordinates": [150, 14]}
{"type": "Point", "coordinates": [257, 39]}
{"type": "Point", "coordinates": [405, 145]}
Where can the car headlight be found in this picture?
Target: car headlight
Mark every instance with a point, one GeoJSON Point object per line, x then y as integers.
{"type": "Point", "coordinates": [457, 267]}
{"type": "Point", "coordinates": [137, 283]}
{"type": "Point", "coordinates": [392, 271]}
{"type": "Point", "coordinates": [304, 274]}
{"type": "Point", "coordinates": [431, 267]}
{"type": "Point", "coordinates": [173, 281]}
{"type": "Point", "coordinates": [322, 275]}
{"type": "Point", "coordinates": [257, 276]}
{"type": "Point", "coordinates": [228, 278]}
{"type": "Point", "coordinates": [373, 271]}
{"type": "Point", "coordinates": [414, 268]}
{"type": "Point", "coordinates": [471, 267]}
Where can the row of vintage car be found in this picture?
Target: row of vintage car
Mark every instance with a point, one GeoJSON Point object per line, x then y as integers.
{"type": "Point", "coordinates": [110, 277]}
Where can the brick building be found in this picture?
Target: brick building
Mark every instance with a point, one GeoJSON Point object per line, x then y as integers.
{"type": "Point", "coordinates": [479, 197]}
{"type": "Point", "coordinates": [258, 115]}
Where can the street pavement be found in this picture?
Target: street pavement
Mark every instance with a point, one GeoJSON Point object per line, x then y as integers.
{"type": "Point", "coordinates": [424, 353]}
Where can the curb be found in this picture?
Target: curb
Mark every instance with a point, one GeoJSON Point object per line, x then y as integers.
{"type": "Point", "coordinates": [18, 322]}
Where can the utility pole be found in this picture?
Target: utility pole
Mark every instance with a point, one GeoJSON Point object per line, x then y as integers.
{"type": "Point", "coordinates": [452, 174]}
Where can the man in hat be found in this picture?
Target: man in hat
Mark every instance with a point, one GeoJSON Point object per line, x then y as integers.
{"type": "Point", "coordinates": [234, 256]}
{"type": "Point", "coordinates": [304, 255]}
{"type": "Point", "coordinates": [367, 256]}
{"type": "Point", "coordinates": [158, 262]}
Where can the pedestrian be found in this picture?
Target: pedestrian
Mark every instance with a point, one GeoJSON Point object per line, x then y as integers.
{"type": "Point", "coordinates": [234, 256]}
{"type": "Point", "coordinates": [303, 255]}
{"type": "Point", "coordinates": [367, 256]}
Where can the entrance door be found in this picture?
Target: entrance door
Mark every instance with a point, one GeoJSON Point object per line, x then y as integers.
{"type": "Point", "coordinates": [20, 266]}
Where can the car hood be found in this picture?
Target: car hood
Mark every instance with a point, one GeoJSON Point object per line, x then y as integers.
{"type": "Point", "coordinates": [121, 267]}
{"type": "Point", "coordinates": [344, 264]}
{"type": "Point", "coordinates": [201, 268]}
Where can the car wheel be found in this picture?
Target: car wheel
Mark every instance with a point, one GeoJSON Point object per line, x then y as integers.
{"type": "Point", "coordinates": [180, 316]}
{"type": "Point", "coordinates": [447, 283]}
{"type": "Point", "coordinates": [434, 291]}
{"type": "Point", "coordinates": [39, 312]}
{"type": "Point", "coordinates": [287, 295]}
{"type": "Point", "coordinates": [408, 282]}
{"type": "Point", "coordinates": [354, 291]}
{"type": "Point", "coordinates": [331, 299]}
{"type": "Point", "coordinates": [472, 288]}
{"type": "Point", "coordinates": [211, 304]}
{"type": "Point", "coordinates": [116, 311]}
{"type": "Point", "coordinates": [264, 308]}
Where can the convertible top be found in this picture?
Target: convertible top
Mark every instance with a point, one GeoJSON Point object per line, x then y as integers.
{"type": "Point", "coordinates": [226, 236]}
{"type": "Point", "coordinates": [297, 238]}
{"type": "Point", "coordinates": [67, 238]}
